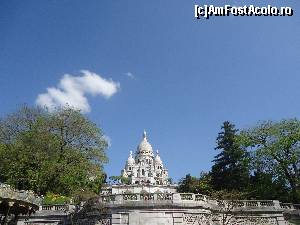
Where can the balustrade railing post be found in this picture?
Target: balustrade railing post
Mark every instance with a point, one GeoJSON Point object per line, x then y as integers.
{"type": "Point", "coordinates": [258, 204]}
{"type": "Point", "coordinates": [276, 204]}
{"type": "Point", "coordinates": [176, 198]}
{"type": "Point", "coordinates": [119, 198]}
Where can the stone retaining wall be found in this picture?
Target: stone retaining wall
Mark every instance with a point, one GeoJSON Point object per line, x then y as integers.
{"type": "Point", "coordinates": [164, 209]}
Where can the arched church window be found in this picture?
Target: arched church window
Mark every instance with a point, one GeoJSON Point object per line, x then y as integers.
{"type": "Point", "coordinates": [143, 172]}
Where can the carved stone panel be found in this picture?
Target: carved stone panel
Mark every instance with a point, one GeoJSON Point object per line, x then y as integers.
{"type": "Point", "coordinates": [254, 221]}
{"type": "Point", "coordinates": [197, 219]}
{"type": "Point", "coordinates": [94, 221]}
{"type": "Point", "coordinates": [106, 221]}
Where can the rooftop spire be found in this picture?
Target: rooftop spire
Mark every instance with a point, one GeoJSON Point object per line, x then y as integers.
{"type": "Point", "coordinates": [130, 159]}
{"type": "Point", "coordinates": [145, 134]}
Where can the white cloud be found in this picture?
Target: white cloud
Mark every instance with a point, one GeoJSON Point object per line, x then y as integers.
{"type": "Point", "coordinates": [130, 75]}
{"type": "Point", "coordinates": [72, 91]}
{"type": "Point", "coordinates": [108, 140]}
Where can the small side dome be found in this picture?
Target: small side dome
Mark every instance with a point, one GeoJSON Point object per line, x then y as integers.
{"type": "Point", "coordinates": [130, 160]}
{"type": "Point", "coordinates": [157, 158]}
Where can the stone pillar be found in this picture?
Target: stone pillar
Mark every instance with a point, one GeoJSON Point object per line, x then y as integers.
{"type": "Point", "coordinates": [276, 204]}
{"type": "Point", "coordinates": [119, 199]}
{"type": "Point", "coordinates": [176, 198]}
{"type": "Point", "coordinates": [71, 207]}
{"type": "Point", "coordinates": [281, 220]}
{"type": "Point", "coordinates": [21, 222]}
{"type": "Point", "coordinates": [120, 219]}
{"type": "Point", "coordinates": [178, 218]}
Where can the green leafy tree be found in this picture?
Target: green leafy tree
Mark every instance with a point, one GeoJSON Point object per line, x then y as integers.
{"type": "Point", "coordinates": [188, 184]}
{"type": "Point", "coordinates": [276, 146]}
{"type": "Point", "coordinates": [263, 186]}
{"type": "Point", "coordinates": [60, 152]}
{"type": "Point", "coordinates": [205, 184]}
{"type": "Point", "coordinates": [197, 185]}
{"type": "Point", "coordinates": [231, 166]}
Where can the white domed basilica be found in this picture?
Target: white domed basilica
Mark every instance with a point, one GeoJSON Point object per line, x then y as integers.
{"type": "Point", "coordinates": [145, 167]}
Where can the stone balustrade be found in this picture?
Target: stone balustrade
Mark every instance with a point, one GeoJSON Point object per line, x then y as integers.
{"type": "Point", "coordinates": [188, 199]}
{"type": "Point", "coordinates": [136, 197]}
{"type": "Point", "coordinates": [61, 207]}
{"type": "Point", "coordinates": [290, 206]}
{"type": "Point", "coordinates": [256, 203]}
{"type": "Point", "coordinates": [178, 198]}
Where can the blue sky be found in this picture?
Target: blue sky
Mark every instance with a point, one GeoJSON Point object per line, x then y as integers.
{"type": "Point", "coordinates": [189, 75]}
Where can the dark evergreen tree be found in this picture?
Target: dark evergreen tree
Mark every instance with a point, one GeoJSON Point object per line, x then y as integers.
{"type": "Point", "coordinates": [230, 170]}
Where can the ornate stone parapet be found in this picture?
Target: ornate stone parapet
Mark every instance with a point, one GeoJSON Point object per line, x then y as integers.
{"type": "Point", "coordinates": [290, 206]}
{"type": "Point", "coordinates": [190, 199]}
{"type": "Point", "coordinates": [61, 207]}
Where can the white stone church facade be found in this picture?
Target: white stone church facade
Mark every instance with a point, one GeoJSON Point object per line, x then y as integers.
{"type": "Point", "coordinates": [145, 171]}
{"type": "Point", "coordinates": [145, 167]}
